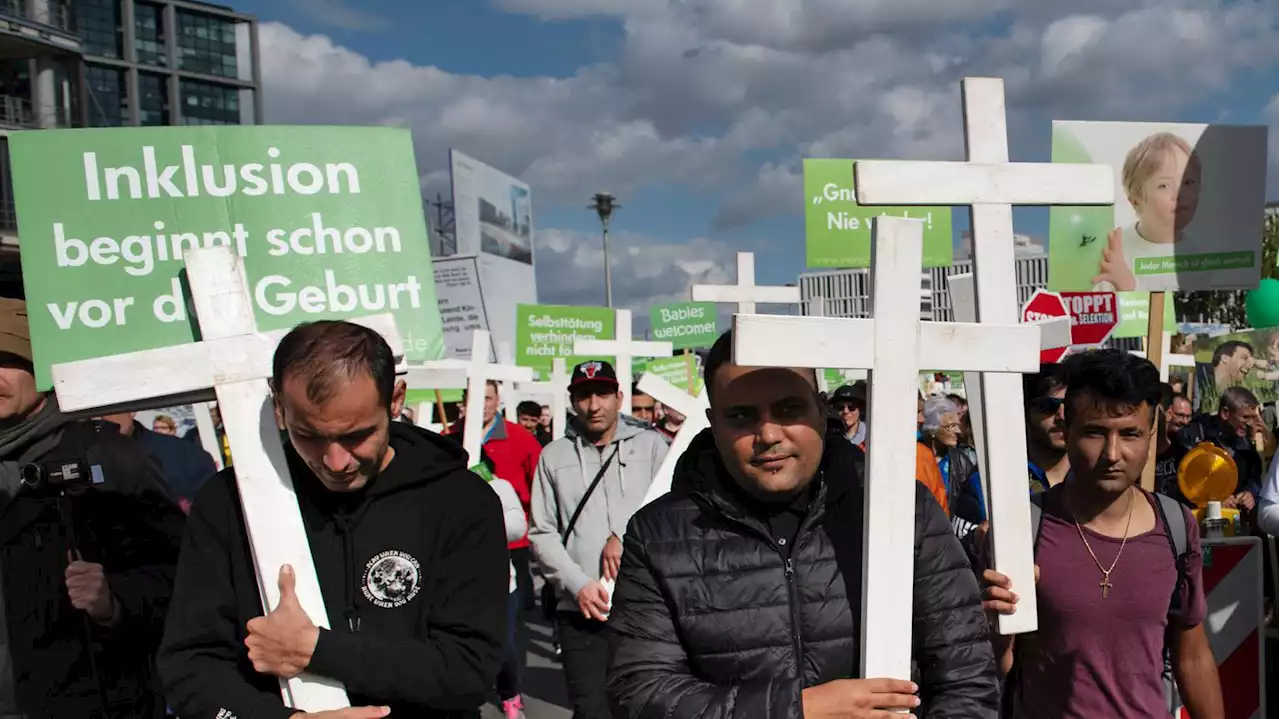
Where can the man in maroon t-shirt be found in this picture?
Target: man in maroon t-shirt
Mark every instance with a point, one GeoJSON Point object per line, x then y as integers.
{"type": "Point", "coordinates": [1106, 569]}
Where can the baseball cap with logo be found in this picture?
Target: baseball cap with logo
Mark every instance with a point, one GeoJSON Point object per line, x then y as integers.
{"type": "Point", "coordinates": [593, 371]}
{"type": "Point", "coordinates": [15, 334]}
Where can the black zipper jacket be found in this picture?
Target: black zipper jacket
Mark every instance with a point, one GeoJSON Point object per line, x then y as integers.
{"type": "Point", "coordinates": [413, 570]}
{"type": "Point", "coordinates": [711, 618]}
{"type": "Point", "coordinates": [64, 665]}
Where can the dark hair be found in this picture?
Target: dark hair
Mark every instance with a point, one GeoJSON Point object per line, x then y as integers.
{"type": "Point", "coordinates": [1050, 379]}
{"type": "Point", "coordinates": [960, 401]}
{"type": "Point", "coordinates": [325, 352]}
{"type": "Point", "coordinates": [528, 409]}
{"type": "Point", "coordinates": [721, 354]}
{"type": "Point", "coordinates": [1166, 394]}
{"type": "Point", "coordinates": [1113, 379]}
{"type": "Point", "coordinates": [1234, 399]}
{"type": "Point", "coordinates": [636, 391]}
{"type": "Point", "coordinates": [1228, 349]}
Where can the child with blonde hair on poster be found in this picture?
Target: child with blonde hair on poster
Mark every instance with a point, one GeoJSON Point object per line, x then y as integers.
{"type": "Point", "coordinates": [1161, 178]}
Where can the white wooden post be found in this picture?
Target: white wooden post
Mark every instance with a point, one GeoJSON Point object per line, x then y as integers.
{"type": "Point", "coordinates": [1054, 333]}
{"type": "Point", "coordinates": [233, 360]}
{"type": "Point", "coordinates": [622, 348]}
{"type": "Point", "coordinates": [992, 185]}
{"type": "Point", "coordinates": [509, 396]}
{"type": "Point", "coordinates": [557, 389]}
{"type": "Point", "coordinates": [479, 372]}
{"type": "Point", "coordinates": [746, 293]}
{"type": "Point", "coordinates": [435, 374]}
{"type": "Point", "coordinates": [208, 432]}
{"type": "Point", "coordinates": [694, 410]}
{"type": "Point", "coordinates": [894, 345]}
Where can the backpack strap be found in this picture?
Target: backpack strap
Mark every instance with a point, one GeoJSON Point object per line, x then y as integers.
{"type": "Point", "coordinates": [1037, 519]}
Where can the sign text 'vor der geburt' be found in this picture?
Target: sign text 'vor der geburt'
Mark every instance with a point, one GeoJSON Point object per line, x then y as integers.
{"type": "Point", "coordinates": [328, 221]}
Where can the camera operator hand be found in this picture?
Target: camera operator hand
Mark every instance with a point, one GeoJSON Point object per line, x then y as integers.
{"type": "Point", "coordinates": [89, 592]}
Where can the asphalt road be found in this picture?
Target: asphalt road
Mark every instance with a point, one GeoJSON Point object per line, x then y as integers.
{"type": "Point", "coordinates": [542, 684]}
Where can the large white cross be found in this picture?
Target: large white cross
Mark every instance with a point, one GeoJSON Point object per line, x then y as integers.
{"type": "Point", "coordinates": [235, 361]}
{"type": "Point", "coordinates": [479, 372]}
{"type": "Point", "coordinates": [435, 374]}
{"type": "Point", "coordinates": [746, 293]}
{"type": "Point", "coordinates": [895, 345]}
{"type": "Point", "coordinates": [1054, 333]}
{"type": "Point", "coordinates": [694, 410]}
{"type": "Point", "coordinates": [992, 185]}
{"type": "Point", "coordinates": [557, 389]}
{"type": "Point", "coordinates": [622, 348]}
{"type": "Point", "coordinates": [509, 396]}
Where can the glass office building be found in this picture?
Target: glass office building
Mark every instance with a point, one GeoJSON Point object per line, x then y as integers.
{"type": "Point", "coordinates": [114, 63]}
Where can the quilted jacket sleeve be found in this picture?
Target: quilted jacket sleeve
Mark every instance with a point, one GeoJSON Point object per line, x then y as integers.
{"type": "Point", "coordinates": [649, 675]}
{"type": "Point", "coordinates": [957, 668]}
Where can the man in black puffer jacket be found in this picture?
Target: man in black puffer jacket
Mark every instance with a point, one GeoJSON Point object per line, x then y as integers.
{"type": "Point", "coordinates": [740, 591]}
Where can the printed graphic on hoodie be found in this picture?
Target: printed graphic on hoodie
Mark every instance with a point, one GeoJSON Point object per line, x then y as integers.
{"type": "Point", "coordinates": [391, 579]}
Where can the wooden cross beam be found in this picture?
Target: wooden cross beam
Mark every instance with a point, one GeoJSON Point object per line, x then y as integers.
{"type": "Point", "coordinates": [622, 348]}
{"type": "Point", "coordinates": [479, 372]}
{"type": "Point", "coordinates": [437, 375]}
{"type": "Point", "coordinates": [992, 185]}
{"type": "Point", "coordinates": [694, 410]}
{"type": "Point", "coordinates": [746, 293]}
{"type": "Point", "coordinates": [557, 389]}
{"type": "Point", "coordinates": [895, 346]}
{"type": "Point", "coordinates": [232, 362]}
{"type": "Point", "coordinates": [1054, 333]}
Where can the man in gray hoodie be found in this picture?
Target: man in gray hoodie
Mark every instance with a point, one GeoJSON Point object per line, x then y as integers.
{"type": "Point", "coordinates": [623, 454]}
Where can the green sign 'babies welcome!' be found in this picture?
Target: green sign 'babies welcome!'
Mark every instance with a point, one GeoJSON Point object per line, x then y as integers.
{"type": "Point", "coordinates": [328, 221]}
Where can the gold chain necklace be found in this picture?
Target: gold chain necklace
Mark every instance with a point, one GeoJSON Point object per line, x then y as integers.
{"type": "Point", "coordinates": [1106, 571]}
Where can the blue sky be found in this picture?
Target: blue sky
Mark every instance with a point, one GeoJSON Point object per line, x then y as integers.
{"type": "Point", "coordinates": [696, 113]}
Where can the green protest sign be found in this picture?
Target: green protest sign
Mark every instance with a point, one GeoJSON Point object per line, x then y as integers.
{"type": "Point", "coordinates": [328, 220]}
{"type": "Point", "coordinates": [837, 230]}
{"type": "Point", "coordinates": [1135, 311]}
{"type": "Point", "coordinates": [544, 332]}
{"type": "Point", "coordinates": [686, 325]}
{"type": "Point", "coordinates": [675, 370]}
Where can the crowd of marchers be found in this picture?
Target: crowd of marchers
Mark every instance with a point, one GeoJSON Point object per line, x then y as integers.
{"type": "Point", "coordinates": [130, 592]}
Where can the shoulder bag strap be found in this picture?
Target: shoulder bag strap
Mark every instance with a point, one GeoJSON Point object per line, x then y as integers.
{"type": "Point", "coordinates": [577, 512]}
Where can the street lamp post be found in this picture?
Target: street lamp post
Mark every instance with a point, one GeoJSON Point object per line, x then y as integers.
{"type": "Point", "coordinates": [604, 204]}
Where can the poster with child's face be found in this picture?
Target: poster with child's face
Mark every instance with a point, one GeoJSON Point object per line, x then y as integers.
{"type": "Point", "coordinates": [1188, 213]}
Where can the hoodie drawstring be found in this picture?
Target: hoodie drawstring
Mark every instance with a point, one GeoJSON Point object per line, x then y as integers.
{"type": "Point", "coordinates": [345, 524]}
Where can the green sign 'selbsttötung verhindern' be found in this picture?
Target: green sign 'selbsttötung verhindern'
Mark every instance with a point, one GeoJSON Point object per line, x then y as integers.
{"type": "Point", "coordinates": [328, 220]}
{"type": "Point", "coordinates": [544, 332]}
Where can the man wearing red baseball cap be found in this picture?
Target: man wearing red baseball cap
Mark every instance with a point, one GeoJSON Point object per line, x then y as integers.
{"type": "Point", "coordinates": [599, 473]}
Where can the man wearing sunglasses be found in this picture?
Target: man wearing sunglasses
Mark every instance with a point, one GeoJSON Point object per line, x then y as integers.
{"type": "Point", "coordinates": [849, 404]}
{"type": "Point", "coordinates": [1043, 395]}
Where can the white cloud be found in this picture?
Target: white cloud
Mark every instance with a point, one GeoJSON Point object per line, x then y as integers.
{"type": "Point", "coordinates": [723, 97]}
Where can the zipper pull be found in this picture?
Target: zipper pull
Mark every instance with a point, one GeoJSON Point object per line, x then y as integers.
{"type": "Point", "coordinates": [789, 569]}
{"type": "Point", "coordinates": [39, 539]}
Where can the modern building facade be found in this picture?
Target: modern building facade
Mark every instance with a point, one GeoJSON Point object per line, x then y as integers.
{"type": "Point", "coordinates": [114, 63]}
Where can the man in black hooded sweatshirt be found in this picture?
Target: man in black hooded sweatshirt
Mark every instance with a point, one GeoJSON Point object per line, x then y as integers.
{"type": "Point", "coordinates": [409, 547]}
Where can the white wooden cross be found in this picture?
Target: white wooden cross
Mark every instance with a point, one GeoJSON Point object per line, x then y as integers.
{"type": "Point", "coordinates": [622, 348]}
{"type": "Point", "coordinates": [1168, 359]}
{"type": "Point", "coordinates": [233, 360]}
{"type": "Point", "coordinates": [746, 293]}
{"type": "Point", "coordinates": [1054, 333]}
{"type": "Point", "coordinates": [895, 345]}
{"type": "Point", "coordinates": [694, 410]}
{"type": "Point", "coordinates": [557, 389]}
{"type": "Point", "coordinates": [992, 185]}
{"type": "Point", "coordinates": [509, 396]}
{"type": "Point", "coordinates": [435, 374]}
{"type": "Point", "coordinates": [479, 372]}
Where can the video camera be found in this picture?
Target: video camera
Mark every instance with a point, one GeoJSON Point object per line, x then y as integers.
{"type": "Point", "coordinates": [66, 477]}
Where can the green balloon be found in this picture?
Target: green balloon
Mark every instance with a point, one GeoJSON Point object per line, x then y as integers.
{"type": "Point", "coordinates": [1262, 306]}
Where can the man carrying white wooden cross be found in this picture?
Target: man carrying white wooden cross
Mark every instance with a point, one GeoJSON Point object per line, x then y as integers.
{"type": "Point", "coordinates": [408, 546]}
{"type": "Point", "coordinates": [739, 591]}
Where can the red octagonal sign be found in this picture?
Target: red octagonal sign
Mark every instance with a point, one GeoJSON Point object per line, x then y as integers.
{"type": "Point", "coordinates": [1045, 305]}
